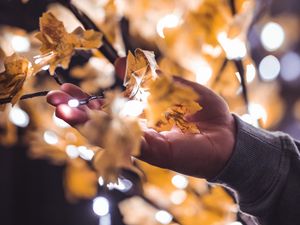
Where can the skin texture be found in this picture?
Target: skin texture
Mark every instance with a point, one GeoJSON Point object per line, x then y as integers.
{"type": "Point", "coordinates": [200, 155]}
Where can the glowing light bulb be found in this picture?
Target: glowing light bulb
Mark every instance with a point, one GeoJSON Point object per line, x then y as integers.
{"type": "Point", "coordinates": [101, 181]}
{"type": "Point", "coordinates": [234, 48]}
{"type": "Point", "coordinates": [123, 185]}
{"type": "Point", "coordinates": [269, 68]}
{"type": "Point", "coordinates": [132, 108]}
{"type": "Point", "coordinates": [18, 117]}
{"type": "Point", "coordinates": [272, 36]}
{"type": "Point", "coordinates": [163, 217]}
{"type": "Point", "coordinates": [72, 151]}
{"type": "Point", "coordinates": [180, 181]}
{"type": "Point", "coordinates": [168, 21]}
{"type": "Point", "coordinates": [20, 43]}
{"type": "Point", "coordinates": [73, 103]}
{"type": "Point", "coordinates": [50, 137]}
{"type": "Point", "coordinates": [101, 206]}
{"type": "Point", "coordinates": [85, 153]}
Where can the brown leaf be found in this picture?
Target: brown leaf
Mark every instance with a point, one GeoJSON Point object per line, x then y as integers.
{"type": "Point", "coordinates": [58, 45]}
{"type": "Point", "coordinates": [17, 69]}
{"type": "Point", "coordinates": [141, 68]}
{"type": "Point", "coordinates": [119, 136]}
{"type": "Point", "coordinates": [168, 103]}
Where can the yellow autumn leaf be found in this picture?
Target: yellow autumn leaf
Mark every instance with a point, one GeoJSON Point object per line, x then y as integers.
{"type": "Point", "coordinates": [168, 103]}
{"type": "Point", "coordinates": [58, 45]}
{"type": "Point", "coordinates": [118, 135]}
{"type": "Point", "coordinates": [80, 181]}
{"type": "Point", "coordinates": [12, 79]}
{"type": "Point", "coordinates": [141, 68]}
{"type": "Point", "coordinates": [209, 19]}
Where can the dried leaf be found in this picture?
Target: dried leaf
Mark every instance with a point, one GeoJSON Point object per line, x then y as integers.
{"type": "Point", "coordinates": [17, 69]}
{"type": "Point", "coordinates": [209, 19]}
{"type": "Point", "coordinates": [168, 103]}
{"type": "Point", "coordinates": [120, 137]}
{"type": "Point", "coordinates": [141, 68]}
{"type": "Point", "coordinates": [58, 45]}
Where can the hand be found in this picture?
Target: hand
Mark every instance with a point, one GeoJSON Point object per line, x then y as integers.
{"type": "Point", "coordinates": [201, 155]}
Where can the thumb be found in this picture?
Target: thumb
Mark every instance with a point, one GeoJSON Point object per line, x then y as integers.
{"type": "Point", "coordinates": [213, 105]}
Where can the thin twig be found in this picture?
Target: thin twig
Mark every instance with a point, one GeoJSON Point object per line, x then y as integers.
{"type": "Point", "coordinates": [124, 26]}
{"type": "Point", "coordinates": [56, 78]}
{"type": "Point", "coordinates": [27, 96]}
{"type": "Point", "coordinates": [240, 68]}
{"type": "Point", "coordinates": [220, 72]}
{"type": "Point", "coordinates": [106, 48]}
{"type": "Point", "coordinates": [232, 7]}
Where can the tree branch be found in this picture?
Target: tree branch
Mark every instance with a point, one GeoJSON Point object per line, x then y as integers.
{"type": "Point", "coordinates": [27, 96]}
{"type": "Point", "coordinates": [241, 70]}
{"type": "Point", "coordinates": [106, 48]}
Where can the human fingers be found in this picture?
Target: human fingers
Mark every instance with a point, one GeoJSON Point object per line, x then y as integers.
{"type": "Point", "coordinates": [58, 97]}
{"type": "Point", "coordinates": [77, 93]}
{"type": "Point", "coordinates": [213, 105]}
{"type": "Point", "coordinates": [155, 149]}
{"type": "Point", "coordinates": [72, 116]}
{"type": "Point", "coordinates": [120, 67]}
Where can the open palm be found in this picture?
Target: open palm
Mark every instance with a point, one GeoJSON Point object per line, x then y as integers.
{"type": "Point", "coordinates": [200, 155]}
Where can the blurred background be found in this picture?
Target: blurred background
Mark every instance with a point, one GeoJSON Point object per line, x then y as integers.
{"type": "Point", "coordinates": [216, 43]}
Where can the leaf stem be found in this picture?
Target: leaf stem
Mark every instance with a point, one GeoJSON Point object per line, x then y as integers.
{"type": "Point", "coordinates": [27, 96]}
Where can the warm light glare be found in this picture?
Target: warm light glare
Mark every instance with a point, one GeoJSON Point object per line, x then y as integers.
{"type": "Point", "coordinates": [272, 36]}
{"type": "Point", "coordinates": [101, 206]}
{"type": "Point", "coordinates": [50, 137]}
{"type": "Point", "coordinates": [72, 151]}
{"type": "Point", "coordinates": [132, 108]}
{"type": "Point", "coordinates": [178, 197]}
{"type": "Point", "coordinates": [168, 21]}
{"type": "Point", "coordinates": [236, 223]}
{"type": "Point", "coordinates": [250, 119]}
{"type": "Point", "coordinates": [204, 74]}
{"type": "Point", "coordinates": [290, 66]}
{"type": "Point", "coordinates": [101, 181]}
{"type": "Point", "coordinates": [20, 44]}
{"type": "Point", "coordinates": [163, 217]}
{"type": "Point", "coordinates": [234, 48]}
{"type": "Point", "coordinates": [258, 112]}
{"type": "Point", "coordinates": [123, 185]}
{"type": "Point", "coordinates": [18, 117]}
{"type": "Point", "coordinates": [180, 181]}
{"type": "Point", "coordinates": [269, 68]}
{"type": "Point", "coordinates": [250, 73]}
{"type": "Point", "coordinates": [59, 122]}
{"type": "Point", "coordinates": [85, 153]}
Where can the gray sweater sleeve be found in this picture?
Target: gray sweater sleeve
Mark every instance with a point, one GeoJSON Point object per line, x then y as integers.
{"type": "Point", "coordinates": [264, 172]}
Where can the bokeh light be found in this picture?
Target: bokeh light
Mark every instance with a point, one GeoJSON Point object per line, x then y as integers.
{"type": "Point", "coordinates": [269, 68]}
{"type": "Point", "coordinates": [290, 66]}
{"type": "Point", "coordinates": [101, 206]}
{"type": "Point", "coordinates": [272, 36]}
